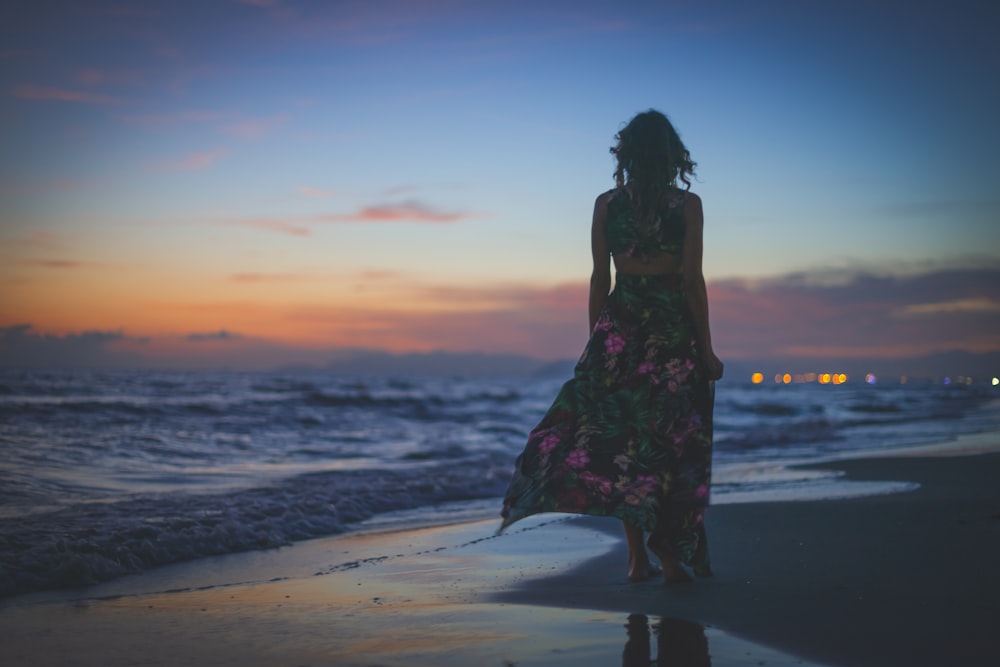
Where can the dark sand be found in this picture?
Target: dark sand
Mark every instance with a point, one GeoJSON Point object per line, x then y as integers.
{"type": "Point", "coordinates": [903, 579]}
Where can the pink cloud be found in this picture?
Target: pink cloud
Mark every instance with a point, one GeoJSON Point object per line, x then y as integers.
{"type": "Point", "coordinates": [255, 128]}
{"type": "Point", "coordinates": [411, 211]}
{"type": "Point", "coordinates": [195, 161]}
{"type": "Point", "coordinates": [28, 92]}
{"type": "Point", "coordinates": [315, 193]}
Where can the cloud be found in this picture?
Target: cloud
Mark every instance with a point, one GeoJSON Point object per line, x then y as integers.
{"type": "Point", "coordinates": [409, 211]}
{"type": "Point", "coordinates": [975, 305]}
{"type": "Point", "coordinates": [22, 347]}
{"type": "Point", "coordinates": [861, 315]}
{"type": "Point", "coordinates": [194, 161]}
{"type": "Point", "coordinates": [315, 193]}
{"type": "Point", "coordinates": [43, 93]}
{"type": "Point", "coordinates": [255, 128]}
{"type": "Point", "coordinates": [271, 224]}
{"type": "Point", "coordinates": [221, 334]}
{"type": "Point", "coordinates": [67, 264]}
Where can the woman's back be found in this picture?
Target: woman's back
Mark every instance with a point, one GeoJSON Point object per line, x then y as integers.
{"type": "Point", "coordinates": [645, 244]}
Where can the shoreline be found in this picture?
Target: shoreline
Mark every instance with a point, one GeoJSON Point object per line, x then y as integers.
{"type": "Point", "coordinates": [885, 580]}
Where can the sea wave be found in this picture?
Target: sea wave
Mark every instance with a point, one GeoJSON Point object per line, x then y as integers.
{"type": "Point", "coordinates": [92, 542]}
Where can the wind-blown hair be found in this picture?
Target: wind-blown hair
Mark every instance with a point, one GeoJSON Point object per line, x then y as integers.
{"type": "Point", "coordinates": [651, 160]}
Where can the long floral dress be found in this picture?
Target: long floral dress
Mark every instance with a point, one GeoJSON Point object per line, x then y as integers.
{"type": "Point", "coordinates": [630, 435]}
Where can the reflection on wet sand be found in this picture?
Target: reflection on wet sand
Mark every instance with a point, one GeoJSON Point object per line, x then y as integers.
{"type": "Point", "coordinates": [677, 643]}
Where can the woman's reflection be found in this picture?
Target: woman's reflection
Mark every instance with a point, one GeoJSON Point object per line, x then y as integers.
{"type": "Point", "coordinates": [678, 643]}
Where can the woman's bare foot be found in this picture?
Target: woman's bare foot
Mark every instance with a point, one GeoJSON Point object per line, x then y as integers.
{"type": "Point", "coordinates": [637, 573]}
{"type": "Point", "coordinates": [673, 571]}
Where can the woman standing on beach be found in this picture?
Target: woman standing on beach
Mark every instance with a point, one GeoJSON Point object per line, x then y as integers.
{"type": "Point", "coordinates": [630, 435]}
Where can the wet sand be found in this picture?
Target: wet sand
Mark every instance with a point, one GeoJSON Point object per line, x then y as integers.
{"type": "Point", "coordinates": [903, 579]}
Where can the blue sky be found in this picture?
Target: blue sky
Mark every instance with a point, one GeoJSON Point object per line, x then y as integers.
{"type": "Point", "coordinates": [330, 174]}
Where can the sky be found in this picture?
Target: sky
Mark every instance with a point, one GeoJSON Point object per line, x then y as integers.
{"type": "Point", "coordinates": [257, 182]}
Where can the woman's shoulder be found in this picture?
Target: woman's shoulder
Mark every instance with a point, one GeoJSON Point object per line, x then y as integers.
{"type": "Point", "coordinates": [606, 197]}
{"type": "Point", "coordinates": [690, 198]}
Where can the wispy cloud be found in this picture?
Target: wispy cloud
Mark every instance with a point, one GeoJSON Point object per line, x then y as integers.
{"type": "Point", "coordinates": [114, 77]}
{"type": "Point", "coordinates": [315, 193]}
{"type": "Point", "coordinates": [194, 161]}
{"type": "Point", "coordinates": [221, 334]}
{"type": "Point", "coordinates": [271, 225]}
{"type": "Point", "coordinates": [410, 211]}
{"type": "Point", "coordinates": [47, 93]}
{"type": "Point", "coordinates": [68, 264]}
{"type": "Point", "coordinates": [255, 128]}
{"type": "Point", "coordinates": [973, 305]}
{"type": "Point", "coordinates": [407, 212]}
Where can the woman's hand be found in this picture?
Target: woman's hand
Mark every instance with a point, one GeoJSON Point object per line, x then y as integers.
{"type": "Point", "coordinates": [713, 365]}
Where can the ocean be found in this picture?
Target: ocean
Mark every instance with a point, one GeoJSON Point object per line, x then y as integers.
{"type": "Point", "coordinates": [103, 474]}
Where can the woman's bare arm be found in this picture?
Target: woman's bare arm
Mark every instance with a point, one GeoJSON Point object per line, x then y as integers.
{"type": "Point", "coordinates": [694, 284]}
{"type": "Point", "coordinates": [600, 277]}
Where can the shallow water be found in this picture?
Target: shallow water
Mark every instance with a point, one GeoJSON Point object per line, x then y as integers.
{"type": "Point", "coordinates": [104, 473]}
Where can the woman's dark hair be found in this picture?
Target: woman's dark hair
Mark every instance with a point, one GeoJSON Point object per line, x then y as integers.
{"type": "Point", "coordinates": [651, 159]}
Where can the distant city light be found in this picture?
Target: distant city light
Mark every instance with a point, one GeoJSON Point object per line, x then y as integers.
{"type": "Point", "coordinates": [996, 381]}
{"type": "Point", "coordinates": [777, 378]}
{"type": "Point", "coordinates": [824, 378]}
{"type": "Point", "coordinates": [787, 378]}
{"type": "Point", "coordinates": [947, 380]}
{"type": "Point", "coordinates": [757, 378]}
{"type": "Point", "coordinates": [871, 379]}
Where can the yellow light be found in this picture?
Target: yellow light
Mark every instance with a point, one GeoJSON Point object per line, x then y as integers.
{"type": "Point", "coordinates": [824, 378]}
{"type": "Point", "coordinates": [786, 378]}
{"type": "Point", "coordinates": [843, 378]}
{"type": "Point", "coordinates": [836, 378]}
{"type": "Point", "coordinates": [757, 378]}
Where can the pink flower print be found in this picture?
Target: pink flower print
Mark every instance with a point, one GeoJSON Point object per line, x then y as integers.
{"type": "Point", "coordinates": [614, 344]}
{"type": "Point", "coordinates": [646, 367]}
{"type": "Point", "coordinates": [633, 499]}
{"type": "Point", "coordinates": [647, 481]}
{"type": "Point", "coordinates": [622, 461]}
{"type": "Point", "coordinates": [602, 484]}
{"type": "Point", "coordinates": [701, 491]}
{"type": "Point", "coordinates": [549, 443]}
{"type": "Point", "coordinates": [603, 323]}
{"type": "Point", "coordinates": [578, 458]}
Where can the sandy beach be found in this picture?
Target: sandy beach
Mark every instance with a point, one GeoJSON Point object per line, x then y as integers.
{"type": "Point", "coordinates": [901, 579]}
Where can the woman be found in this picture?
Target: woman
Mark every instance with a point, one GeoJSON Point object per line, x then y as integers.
{"type": "Point", "coordinates": [630, 435]}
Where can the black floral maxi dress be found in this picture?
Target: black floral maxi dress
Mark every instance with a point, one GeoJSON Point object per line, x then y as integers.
{"type": "Point", "coordinates": [630, 435]}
